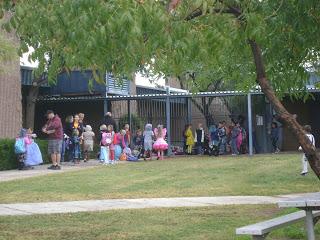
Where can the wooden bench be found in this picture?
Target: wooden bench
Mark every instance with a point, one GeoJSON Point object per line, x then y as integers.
{"type": "Point", "coordinates": [260, 230]}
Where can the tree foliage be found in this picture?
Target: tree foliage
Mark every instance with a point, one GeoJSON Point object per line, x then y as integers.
{"type": "Point", "coordinates": [123, 36]}
{"type": "Point", "coordinates": [244, 42]}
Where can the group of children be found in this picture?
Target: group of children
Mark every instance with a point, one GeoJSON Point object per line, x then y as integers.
{"type": "Point", "coordinates": [79, 142]}
{"type": "Point", "coordinates": [219, 140]}
{"type": "Point", "coordinates": [119, 146]}
{"type": "Point", "coordinates": [27, 150]}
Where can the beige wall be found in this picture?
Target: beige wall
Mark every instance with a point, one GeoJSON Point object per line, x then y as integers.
{"type": "Point", "coordinates": [10, 95]}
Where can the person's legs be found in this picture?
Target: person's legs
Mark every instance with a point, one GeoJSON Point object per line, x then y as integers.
{"type": "Point", "coordinates": [63, 150]}
{"type": "Point", "coordinates": [189, 149]}
{"type": "Point", "coordinates": [58, 158]}
{"type": "Point", "coordinates": [234, 146]}
{"type": "Point", "coordinates": [198, 148]}
{"type": "Point", "coordinates": [275, 145]}
{"type": "Point", "coordinates": [54, 159]}
{"type": "Point", "coordinates": [21, 158]}
{"type": "Point", "coordinates": [107, 160]}
{"type": "Point", "coordinates": [112, 155]}
{"type": "Point", "coordinates": [222, 146]}
{"type": "Point", "coordinates": [85, 155]}
{"type": "Point", "coordinates": [304, 164]}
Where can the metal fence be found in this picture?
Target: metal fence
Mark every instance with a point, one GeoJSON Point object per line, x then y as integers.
{"type": "Point", "coordinates": [174, 111]}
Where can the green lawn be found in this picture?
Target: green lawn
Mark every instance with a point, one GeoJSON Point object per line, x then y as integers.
{"type": "Point", "coordinates": [179, 177]}
{"type": "Point", "coordinates": [174, 223]}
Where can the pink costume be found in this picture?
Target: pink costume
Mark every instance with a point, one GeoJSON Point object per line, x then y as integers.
{"type": "Point", "coordinates": [119, 140]}
{"type": "Point", "coordinates": [239, 140]}
{"type": "Point", "coordinates": [160, 144]}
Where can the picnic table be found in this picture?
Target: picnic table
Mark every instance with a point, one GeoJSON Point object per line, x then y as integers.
{"type": "Point", "coordinates": [308, 203]}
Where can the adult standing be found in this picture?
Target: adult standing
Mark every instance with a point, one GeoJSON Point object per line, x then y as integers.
{"type": "Point", "coordinates": [54, 129]}
{"type": "Point", "coordinates": [108, 120]}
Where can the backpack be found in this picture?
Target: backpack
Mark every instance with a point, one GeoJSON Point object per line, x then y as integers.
{"type": "Point", "coordinates": [106, 139]}
{"type": "Point", "coordinates": [123, 157]}
{"type": "Point", "coordinates": [19, 146]}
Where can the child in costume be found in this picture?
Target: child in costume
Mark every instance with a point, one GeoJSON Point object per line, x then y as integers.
{"type": "Point", "coordinates": [119, 144]}
{"type": "Point", "coordinates": [160, 144]}
{"type": "Point", "coordinates": [189, 139]}
{"type": "Point", "coordinates": [222, 134]}
{"type": "Point", "coordinates": [111, 146]}
{"type": "Point", "coordinates": [199, 139]}
{"type": "Point", "coordinates": [307, 129]}
{"type": "Point", "coordinates": [148, 136]}
{"type": "Point", "coordinates": [127, 136]}
{"type": "Point", "coordinates": [138, 144]}
{"type": "Point", "coordinates": [106, 141]}
{"type": "Point", "coordinates": [76, 150]}
{"type": "Point", "coordinates": [88, 137]}
{"type": "Point", "coordinates": [20, 148]}
{"type": "Point", "coordinates": [34, 156]}
{"type": "Point", "coordinates": [235, 132]}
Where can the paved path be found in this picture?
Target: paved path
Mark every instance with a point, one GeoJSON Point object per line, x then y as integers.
{"type": "Point", "coordinates": [43, 170]}
{"type": "Point", "coordinates": [114, 204]}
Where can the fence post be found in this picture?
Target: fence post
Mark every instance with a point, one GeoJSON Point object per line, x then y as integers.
{"type": "Point", "coordinates": [250, 124]}
{"type": "Point", "coordinates": [189, 110]}
{"type": "Point", "coordinates": [168, 119]}
{"type": "Point", "coordinates": [105, 107]}
{"type": "Point", "coordinates": [129, 115]}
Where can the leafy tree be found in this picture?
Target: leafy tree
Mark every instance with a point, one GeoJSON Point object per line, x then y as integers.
{"type": "Point", "coordinates": [248, 42]}
{"type": "Point", "coordinates": [8, 49]}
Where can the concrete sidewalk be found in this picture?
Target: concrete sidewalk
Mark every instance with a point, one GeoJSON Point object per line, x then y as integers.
{"type": "Point", "coordinates": [43, 170]}
{"type": "Point", "coordinates": [114, 204]}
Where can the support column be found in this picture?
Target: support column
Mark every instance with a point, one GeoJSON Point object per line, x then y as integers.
{"type": "Point", "coordinates": [168, 119]}
{"type": "Point", "coordinates": [250, 125]}
{"type": "Point", "coordinates": [309, 225]}
{"type": "Point", "coordinates": [189, 110]}
{"type": "Point", "coordinates": [129, 115]}
{"type": "Point", "coordinates": [105, 107]}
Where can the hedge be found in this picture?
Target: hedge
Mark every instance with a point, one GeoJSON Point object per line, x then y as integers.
{"type": "Point", "coordinates": [8, 159]}
{"type": "Point", "coordinates": [135, 120]}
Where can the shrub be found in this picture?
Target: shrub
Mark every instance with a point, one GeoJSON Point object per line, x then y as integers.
{"type": "Point", "coordinates": [136, 122]}
{"type": "Point", "coordinates": [8, 159]}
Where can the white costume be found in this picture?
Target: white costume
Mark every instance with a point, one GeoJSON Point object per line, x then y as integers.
{"type": "Point", "coordinates": [304, 157]}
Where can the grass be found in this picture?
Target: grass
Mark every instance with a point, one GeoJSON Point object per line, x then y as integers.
{"type": "Point", "coordinates": [174, 223]}
{"type": "Point", "coordinates": [180, 177]}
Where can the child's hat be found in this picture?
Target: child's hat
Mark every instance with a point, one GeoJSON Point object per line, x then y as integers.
{"type": "Point", "coordinates": [103, 127]}
{"type": "Point", "coordinates": [88, 128]}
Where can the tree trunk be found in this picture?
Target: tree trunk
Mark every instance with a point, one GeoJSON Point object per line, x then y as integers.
{"type": "Point", "coordinates": [289, 119]}
{"type": "Point", "coordinates": [31, 106]}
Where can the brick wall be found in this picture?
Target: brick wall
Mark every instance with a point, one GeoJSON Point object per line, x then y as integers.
{"type": "Point", "coordinates": [10, 95]}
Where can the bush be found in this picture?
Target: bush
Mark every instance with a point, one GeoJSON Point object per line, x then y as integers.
{"type": "Point", "coordinates": [8, 159]}
{"type": "Point", "coordinates": [135, 120]}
